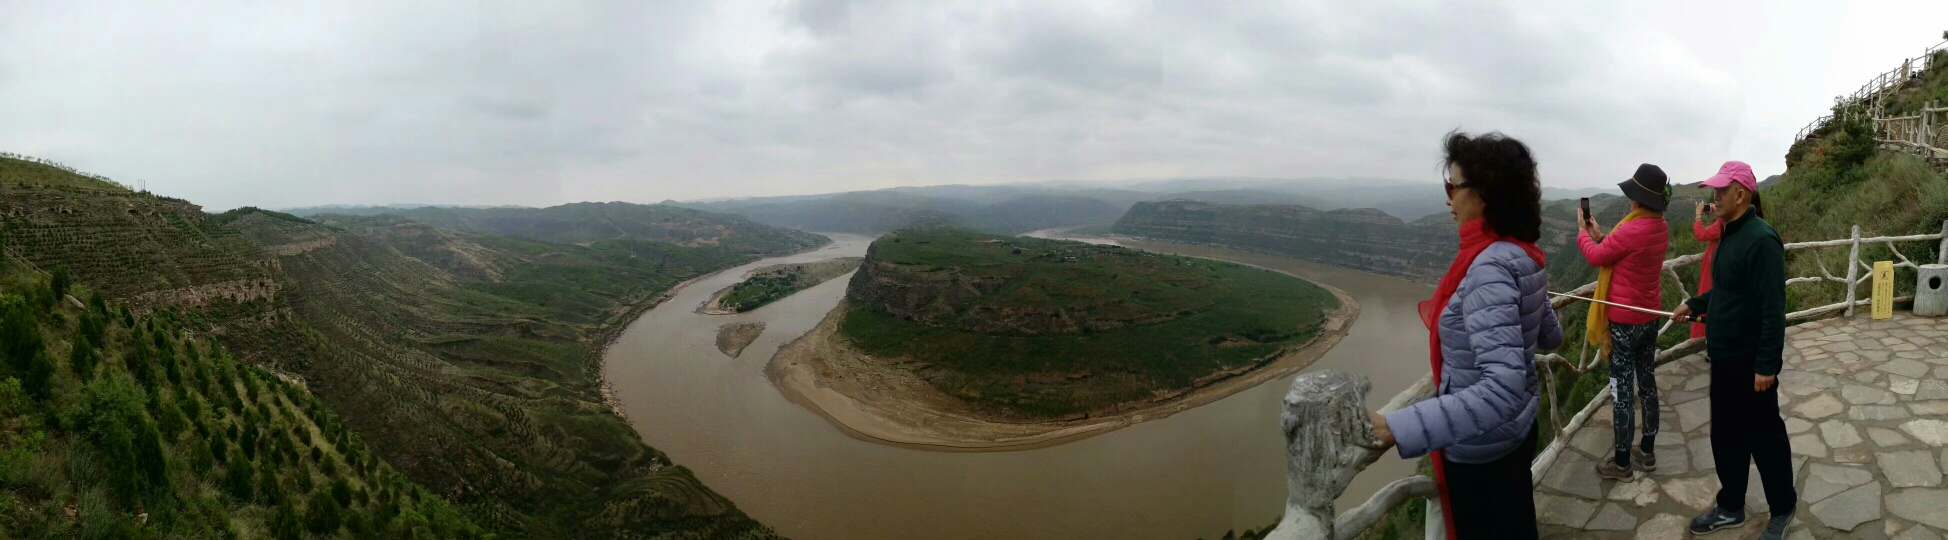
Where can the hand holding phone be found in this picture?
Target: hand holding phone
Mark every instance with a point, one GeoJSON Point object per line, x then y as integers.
{"type": "Point", "coordinates": [1585, 216]}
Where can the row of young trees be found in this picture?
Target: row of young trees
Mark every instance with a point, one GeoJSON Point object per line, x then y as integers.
{"type": "Point", "coordinates": [65, 167]}
{"type": "Point", "coordinates": [145, 433]}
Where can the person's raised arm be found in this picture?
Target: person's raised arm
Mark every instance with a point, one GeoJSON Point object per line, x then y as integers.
{"type": "Point", "coordinates": [1605, 253]}
{"type": "Point", "coordinates": [1707, 233]}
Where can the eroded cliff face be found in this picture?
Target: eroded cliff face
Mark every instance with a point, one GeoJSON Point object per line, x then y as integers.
{"type": "Point", "coordinates": [1362, 239]}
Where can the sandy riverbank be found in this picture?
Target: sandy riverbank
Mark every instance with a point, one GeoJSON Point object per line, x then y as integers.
{"type": "Point", "coordinates": [874, 400]}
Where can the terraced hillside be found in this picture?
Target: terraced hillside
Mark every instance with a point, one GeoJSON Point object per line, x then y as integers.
{"type": "Point", "coordinates": [873, 212]}
{"type": "Point", "coordinates": [1045, 329]}
{"type": "Point", "coordinates": [470, 361]}
{"type": "Point", "coordinates": [1367, 239]}
{"type": "Point", "coordinates": [114, 425]}
{"type": "Point", "coordinates": [581, 223]}
{"type": "Point", "coordinates": [1361, 239]}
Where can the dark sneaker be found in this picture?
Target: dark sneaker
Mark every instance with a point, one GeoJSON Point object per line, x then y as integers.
{"type": "Point", "coordinates": [1716, 519]}
{"type": "Point", "coordinates": [1610, 469]}
{"type": "Point", "coordinates": [1775, 528]}
{"type": "Point", "coordinates": [1643, 460]}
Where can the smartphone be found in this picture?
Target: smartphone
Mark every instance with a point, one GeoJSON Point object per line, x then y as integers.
{"type": "Point", "coordinates": [1587, 217]}
{"type": "Point", "coordinates": [1711, 207]}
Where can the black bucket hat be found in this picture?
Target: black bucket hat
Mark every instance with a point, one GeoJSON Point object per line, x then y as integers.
{"type": "Point", "coordinates": [1648, 187]}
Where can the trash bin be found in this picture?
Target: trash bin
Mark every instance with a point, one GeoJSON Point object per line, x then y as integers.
{"type": "Point", "coordinates": [1931, 291]}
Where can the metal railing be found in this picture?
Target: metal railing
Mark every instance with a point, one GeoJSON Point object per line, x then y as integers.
{"type": "Point", "coordinates": [1329, 439]}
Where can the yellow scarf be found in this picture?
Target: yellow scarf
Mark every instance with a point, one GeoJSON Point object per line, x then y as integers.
{"type": "Point", "coordinates": [1597, 330]}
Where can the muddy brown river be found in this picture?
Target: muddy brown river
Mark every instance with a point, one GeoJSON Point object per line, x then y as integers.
{"type": "Point", "coordinates": [1192, 475]}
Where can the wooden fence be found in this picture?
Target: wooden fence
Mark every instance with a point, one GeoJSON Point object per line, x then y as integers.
{"type": "Point", "coordinates": [1873, 94]}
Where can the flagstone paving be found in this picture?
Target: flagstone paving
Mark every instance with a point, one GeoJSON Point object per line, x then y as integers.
{"type": "Point", "coordinates": [1866, 407]}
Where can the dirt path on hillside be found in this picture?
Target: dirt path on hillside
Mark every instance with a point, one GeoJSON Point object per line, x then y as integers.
{"type": "Point", "coordinates": [880, 401]}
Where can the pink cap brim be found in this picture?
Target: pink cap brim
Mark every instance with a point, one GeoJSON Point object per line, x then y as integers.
{"type": "Point", "coordinates": [1723, 180]}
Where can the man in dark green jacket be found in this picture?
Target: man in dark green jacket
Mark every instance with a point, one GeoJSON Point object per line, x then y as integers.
{"type": "Point", "coordinates": [1745, 333]}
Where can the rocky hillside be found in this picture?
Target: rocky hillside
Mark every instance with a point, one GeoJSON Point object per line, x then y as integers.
{"type": "Point", "coordinates": [469, 359]}
{"type": "Point", "coordinates": [1365, 239]}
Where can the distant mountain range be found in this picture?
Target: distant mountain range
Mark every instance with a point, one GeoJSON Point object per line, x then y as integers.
{"type": "Point", "coordinates": [375, 209]}
{"type": "Point", "coordinates": [1017, 208]}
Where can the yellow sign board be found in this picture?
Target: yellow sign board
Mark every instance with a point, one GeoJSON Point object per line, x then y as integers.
{"type": "Point", "coordinates": [1884, 290]}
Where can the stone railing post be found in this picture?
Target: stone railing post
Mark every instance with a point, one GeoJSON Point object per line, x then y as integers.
{"type": "Point", "coordinates": [1328, 441]}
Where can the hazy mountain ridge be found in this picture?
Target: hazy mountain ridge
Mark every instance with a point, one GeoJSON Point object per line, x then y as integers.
{"type": "Point", "coordinates": [1022, 207]}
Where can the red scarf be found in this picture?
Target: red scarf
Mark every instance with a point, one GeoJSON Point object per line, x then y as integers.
{"type": "Point", "coordinates": [1475, 238]}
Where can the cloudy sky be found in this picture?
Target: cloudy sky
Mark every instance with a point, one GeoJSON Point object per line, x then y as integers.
{"type": "Point", "coordinates": [515, 102]}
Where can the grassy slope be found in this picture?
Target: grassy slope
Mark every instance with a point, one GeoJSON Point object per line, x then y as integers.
{"type": "Point", "coordinates": [1255, 312]}
{"type": "Point", "coordinates": [129, 414]}
{"type": "Point", "coordinates": [468, 360]}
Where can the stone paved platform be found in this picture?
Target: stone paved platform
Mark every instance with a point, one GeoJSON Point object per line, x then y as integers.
{"type": "Point", "coordinates": [1866, 403]}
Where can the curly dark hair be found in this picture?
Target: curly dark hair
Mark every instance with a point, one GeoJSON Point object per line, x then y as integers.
{"type": "Point", "coordinates": [1500, 170]}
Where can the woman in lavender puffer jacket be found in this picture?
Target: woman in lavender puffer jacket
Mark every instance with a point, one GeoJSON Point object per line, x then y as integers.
{"type": "Point", "coordinates": [1489, 315]}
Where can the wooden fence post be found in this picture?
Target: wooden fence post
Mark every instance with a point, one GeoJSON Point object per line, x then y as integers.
{"type": "Point", "coordinates": [1853, 269]}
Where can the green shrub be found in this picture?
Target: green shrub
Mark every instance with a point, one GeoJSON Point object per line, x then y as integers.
{"type": "Point", "coordinates": [112, 416]}
{"type": "Point", "coordinates": [285, 524]}
{"type": "Point", "coordinates": [323, 514]}
{"type": "Point", "coordinates": [269, 489]}
{"type": "Point", "coordinates": [342, 491]}
{"type": "Point", "coordinates": [40, 376]}
{"type": "Point", "coordinates": [98, 305]}
{"type": "Point", "coordinates": [59, 282]}
{"type": "Point", "coordinates": [236, 480]}
{"type": "Point", "coordinates": [82, 357]}
{"type": "Point", "coordinates": [151, 459]}
{"type": "Point", "coordinates": [20, 334]}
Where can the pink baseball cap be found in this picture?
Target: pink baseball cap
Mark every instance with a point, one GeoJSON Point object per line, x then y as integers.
{"type": "Point", "coordinates": [1733, 171]}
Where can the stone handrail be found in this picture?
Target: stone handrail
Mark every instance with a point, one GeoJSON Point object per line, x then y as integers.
{"type": "Point", "coordinates": [1329, 437]}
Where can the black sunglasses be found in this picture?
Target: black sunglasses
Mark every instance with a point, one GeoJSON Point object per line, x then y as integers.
{"type": "Point", "coordinates": [1450, 186]}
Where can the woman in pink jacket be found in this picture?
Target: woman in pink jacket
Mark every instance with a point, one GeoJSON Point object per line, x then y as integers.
{"type": "Point", "coordinates": [1709, 235]}
{"type": "Point", "coordinates": [1632, 261]}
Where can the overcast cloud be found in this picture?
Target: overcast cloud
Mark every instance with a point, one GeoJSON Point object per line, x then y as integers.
{"type": "Point", "coordinates": [263, 103]}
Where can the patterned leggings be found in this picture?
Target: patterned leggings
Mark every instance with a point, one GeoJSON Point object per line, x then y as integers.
{"type": "Point", "coordinates": [1633, 350]}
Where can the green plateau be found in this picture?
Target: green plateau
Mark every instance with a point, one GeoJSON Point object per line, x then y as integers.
{"type": "Point", "coordinates": [1048, 329]}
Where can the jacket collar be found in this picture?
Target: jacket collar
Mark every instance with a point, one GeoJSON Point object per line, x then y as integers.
{"type": "Point", "coordinates": [1741, 222]}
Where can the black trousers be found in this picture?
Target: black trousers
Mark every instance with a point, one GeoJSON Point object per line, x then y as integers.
{"type": "Point", "coordinates": [1494, 499]}
{"type": "Point", "coordinates": [1746, 428]}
